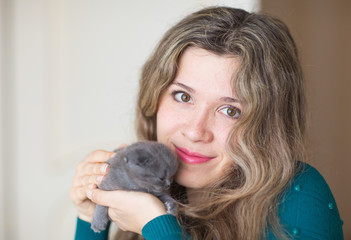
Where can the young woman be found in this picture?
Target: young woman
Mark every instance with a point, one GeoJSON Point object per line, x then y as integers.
{"type": "Point", "coordinates": [224, 90]}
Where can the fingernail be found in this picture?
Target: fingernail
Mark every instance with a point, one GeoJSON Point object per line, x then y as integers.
{"type": "Point", "coordinates": [104, 167]}
{"type": "Point", "coordinates": [99, 179]}
{"type": "Point", "coordinates": [89, 194]}
{"type": "Point", "coordinates": [91, 186]}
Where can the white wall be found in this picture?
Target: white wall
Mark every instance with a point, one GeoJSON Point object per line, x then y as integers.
{"type": "Point", "coordinates": [68, 86]}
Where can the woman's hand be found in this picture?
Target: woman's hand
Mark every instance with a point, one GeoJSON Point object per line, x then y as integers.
{"type": "Point", "coordinates": [129, 210]}
{"type": "Point", "coordinates": [89, 173]}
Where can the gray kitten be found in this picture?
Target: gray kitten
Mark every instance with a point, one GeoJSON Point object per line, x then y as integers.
{"type": "Point", "coordinates": [143, 166]}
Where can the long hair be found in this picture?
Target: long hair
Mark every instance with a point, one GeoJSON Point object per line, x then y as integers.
{"type": "Point", "coordinates": [267, 141]}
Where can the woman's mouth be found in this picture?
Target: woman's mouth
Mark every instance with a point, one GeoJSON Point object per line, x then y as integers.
{"type": "Point", "coordinates": [191, 157]}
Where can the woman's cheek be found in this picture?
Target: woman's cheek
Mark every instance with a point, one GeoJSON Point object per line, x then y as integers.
{"type": "Point", "coordinates": [167, 120]}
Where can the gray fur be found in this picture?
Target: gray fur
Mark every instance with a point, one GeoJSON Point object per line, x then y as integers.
{"type": "Point", "coordinates": [143, 166]}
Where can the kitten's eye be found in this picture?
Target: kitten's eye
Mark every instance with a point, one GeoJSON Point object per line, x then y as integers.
{"type": "Point", "coordinates": [231, 111]}
{"type": "Point", "coordinates": [142, 161]}
{"type": "Point", "coordinates": [180, 96]}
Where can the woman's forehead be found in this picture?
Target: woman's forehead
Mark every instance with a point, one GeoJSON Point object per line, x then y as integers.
{"type": "Point", "coordinates": [202, 69]}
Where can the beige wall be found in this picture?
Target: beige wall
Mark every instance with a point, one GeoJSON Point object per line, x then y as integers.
{"type": "Point", "coordinates": [2, 205]}
{"type": "Point", "coordinates": [322, 30]}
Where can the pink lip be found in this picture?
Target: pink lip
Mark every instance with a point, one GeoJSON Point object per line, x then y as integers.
{"type": "Point", "coordinates": [191, 157]}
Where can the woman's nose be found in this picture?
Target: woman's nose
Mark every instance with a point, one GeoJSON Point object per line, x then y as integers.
{"type": "Point", "coordinates": [198, 127]}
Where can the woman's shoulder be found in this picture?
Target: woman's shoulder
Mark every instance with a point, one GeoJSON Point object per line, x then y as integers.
{"type": "Point", "coordinates": [308, 209]}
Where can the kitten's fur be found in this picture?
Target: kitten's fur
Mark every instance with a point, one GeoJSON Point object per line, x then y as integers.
{"type": "Point", "coordinates": [143, 166]}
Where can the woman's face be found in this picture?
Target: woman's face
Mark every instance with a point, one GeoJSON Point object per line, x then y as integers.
{"type": "Point", "coordinates": [196, 113]}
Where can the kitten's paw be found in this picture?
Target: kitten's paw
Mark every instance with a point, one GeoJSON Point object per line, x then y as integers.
{"type": "Point", "coordinates": [171, 207]}
{"type": "Point", "coordinates": [98, 226]}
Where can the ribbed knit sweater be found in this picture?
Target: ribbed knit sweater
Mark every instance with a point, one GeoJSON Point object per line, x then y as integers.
{"type": "Point", "coordinates": [307, 210]}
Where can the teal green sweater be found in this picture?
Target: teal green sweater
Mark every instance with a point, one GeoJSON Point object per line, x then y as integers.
{"type": "Point", "coordinates": [307, 210]}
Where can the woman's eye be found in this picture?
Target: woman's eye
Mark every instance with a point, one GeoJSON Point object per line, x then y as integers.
{"type": "Point", "coordinates": [230, 111]}
{"type": "Point", "coordinates": [182, 97]}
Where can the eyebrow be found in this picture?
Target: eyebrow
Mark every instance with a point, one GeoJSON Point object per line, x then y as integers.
{"type": "Point", "coordinates": [191, 90]}
{"type": "Point", "coordinates": [229, 99]}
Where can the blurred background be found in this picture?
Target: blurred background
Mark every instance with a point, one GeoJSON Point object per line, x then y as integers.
{"type": "Point", "coordinates": [69, 73]}
{"type": "Point", "coordinates": [322, 31]}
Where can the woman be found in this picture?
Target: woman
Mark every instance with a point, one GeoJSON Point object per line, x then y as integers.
{"type": "Point", "coordinates": [224, 90]}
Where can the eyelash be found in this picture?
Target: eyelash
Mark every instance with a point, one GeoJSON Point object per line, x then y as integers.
{"type": "Point", "coordinates": [228, 107]}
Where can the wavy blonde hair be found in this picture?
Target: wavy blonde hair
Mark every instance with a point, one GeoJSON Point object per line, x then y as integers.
{"type": "Point", "coordinates": [268, 139]}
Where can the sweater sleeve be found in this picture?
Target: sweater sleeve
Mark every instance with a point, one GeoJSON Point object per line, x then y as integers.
{"type": "Point", "coordinates": [308, 209]}
{"type": "Point", "coordinates": [84, 232]}
{"type": "Point", "coordinates": [164, 227]}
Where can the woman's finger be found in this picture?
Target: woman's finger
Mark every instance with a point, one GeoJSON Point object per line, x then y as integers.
{"type": "Point", "coordinates": [104, 198]}
{"type": "Point", "coordinates": [93, 168]}
{"type": "Point", "coordinates": [89, 173]}
{"type": "Point", "coordinates": [123, 200]}
{"type": "Point", "coordinates": [86, 180]}
{"type": "Point", "coordinates": [123, 145]}
{"type": "Point", "coordinates": [90, 169]}
{"type": "Point", "coordinates": [130, 210]}
{"type": "Point", "coordinates": [99, 156]}
{"type": "Point", "coordinates": [78, 194]}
